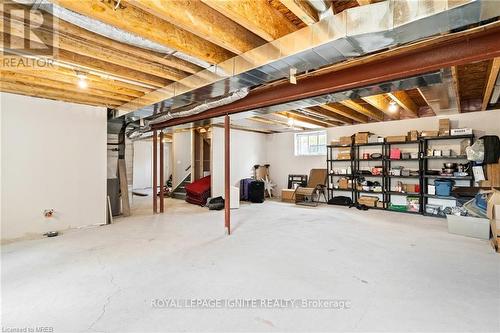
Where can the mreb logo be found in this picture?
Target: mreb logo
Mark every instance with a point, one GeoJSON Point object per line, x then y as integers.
{"type": "Point", "coordinates": [28, 30]}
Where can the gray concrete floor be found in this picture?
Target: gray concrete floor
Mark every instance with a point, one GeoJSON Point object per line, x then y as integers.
{"type": "Point", "coordinates": [398, 272]}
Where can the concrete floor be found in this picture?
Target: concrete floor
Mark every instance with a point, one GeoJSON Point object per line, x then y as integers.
{"type": "Point", "coordinates": [398, 272]}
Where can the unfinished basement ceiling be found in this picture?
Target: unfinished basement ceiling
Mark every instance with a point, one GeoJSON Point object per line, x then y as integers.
{"type": "Point", "coordinates": [210, 32]}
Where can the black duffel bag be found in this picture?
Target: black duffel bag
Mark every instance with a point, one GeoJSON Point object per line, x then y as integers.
{"type": "Point", "coordinates": [216, 203]}
{"type": "Point", "coordinates": [340, 200]}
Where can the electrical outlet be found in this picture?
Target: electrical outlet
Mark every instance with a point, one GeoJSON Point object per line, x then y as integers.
{"type": "Point", "coordinates": [48, 213]}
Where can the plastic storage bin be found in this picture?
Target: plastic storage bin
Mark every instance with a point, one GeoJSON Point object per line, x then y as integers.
{"type": "Point", "coordinates": [443, 187]}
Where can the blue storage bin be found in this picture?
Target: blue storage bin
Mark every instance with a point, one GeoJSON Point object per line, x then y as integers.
{"type": "Point", "coordinates": [443, 187]}
{"type": "Point", "coordinates": [482, 201]}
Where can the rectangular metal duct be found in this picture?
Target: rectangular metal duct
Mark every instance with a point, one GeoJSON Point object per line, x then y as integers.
{"type": "Point", "coordinates": [354, 32]}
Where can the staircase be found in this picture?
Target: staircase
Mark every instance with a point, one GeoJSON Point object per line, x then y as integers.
{"type": "Point", "coordinates": [180, 191]}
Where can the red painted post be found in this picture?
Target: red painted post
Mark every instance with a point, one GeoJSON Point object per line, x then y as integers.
{"type": "Point", "coordinates": [227, 175]}
{"type": "Point", "coordinates": [162, 175]}
{"type": "Point", "coordinates": [155, 172]}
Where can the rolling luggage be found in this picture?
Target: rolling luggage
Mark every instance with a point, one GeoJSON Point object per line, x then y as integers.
{"type": "Point", "coordinates": [252, 190]}
{"type": "Point", "coordinates": [244, 185]}
{"type": "Point", "coordinates": [256, 191]}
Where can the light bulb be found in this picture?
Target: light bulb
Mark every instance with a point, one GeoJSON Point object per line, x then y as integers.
{"type": "Point", "coordinates": [393, 107]}
{"type": "Point", "coordinates": [82, 83]}
{"type": "Point", "coordinates": [291, 122]}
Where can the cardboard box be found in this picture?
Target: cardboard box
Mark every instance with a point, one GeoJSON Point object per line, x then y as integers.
{"type": "Point", "coordinates": [495, 232]}
{"type": "Point", "coordinates": [345, 140]}
{"type": "Point", "coordinates": [484, 183]}
{"type": "Point", "coordinates": [343, 156]}
{"type": "Point", "coordinates": [368, 201]}
{"type": "Point", "coordinates": [444, 126]}
{"type": "Point", "coordinates": [361, 137]}
{"type": "Point", "coordinates": [287, 195]}
{"type": "Point", "coordinates": [493, 174]}
{"type": "Point", "coordinates": [410, 188]}
{"type": "Point", "coordinates": [380, 204]}
{"type": "Point", "coordinates": [395, 138]}
{"type": "Point", "coordinates": [429, 133]}
{"type": "Point", "coordinates": [493, 201]}
{"type": "Point", "coordinates": [413, 135]}
{"type": "Point", "coordinates": [343, 183]}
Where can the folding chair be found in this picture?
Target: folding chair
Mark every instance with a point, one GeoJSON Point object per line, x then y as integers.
{"type": "Point", "coordinates": [315, 187]}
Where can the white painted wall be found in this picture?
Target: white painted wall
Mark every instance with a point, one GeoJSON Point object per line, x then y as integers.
{"type": "Point", "coordinates": [280, 147]}
{"type": "Point", "coordinates": [143, 167]}
{"type": "Point", "coordinates": [247, 150]}
{"type": "Point", "coordinates": [182, 156]}
{"type": "Point", "coordinates": [53, 156]}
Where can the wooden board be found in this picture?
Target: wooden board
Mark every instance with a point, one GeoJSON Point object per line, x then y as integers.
{"type": "Point", "coordinates": [122, 175]}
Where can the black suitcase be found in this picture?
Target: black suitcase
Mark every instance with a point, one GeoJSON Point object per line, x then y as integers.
{"type": "Point", "coordinates": [256, 191]}
{"type": "Point", "coordinates": [244, 186]}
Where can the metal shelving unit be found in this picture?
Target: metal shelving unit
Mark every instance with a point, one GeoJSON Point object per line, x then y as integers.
{"type": "Point", "coordinates": [386, 162]}
{"type": "Point", "coordinates": [331, 162]}
{"type": "Point", "coordinates": [425, 167]}
{"type": "Point", "coordinates": [357, 168]}
{"type": "Point", "coordinates": [388, 166]}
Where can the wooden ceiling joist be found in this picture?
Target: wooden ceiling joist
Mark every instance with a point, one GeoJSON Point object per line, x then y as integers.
{"type": "Point", "coordinates": [494, 69]}
{"type": "Point", "coordinates": [103, 85]}
{"type": "Point", "coordinates": [258, 16]}
{"type": "Point", "coordinates": [155, 57]}
{"type": "Point", "coordinates": [44, 82]}
{"type": "Point", "coordinates": [302, 10]}
{"type": "Point", "coordinates": [73, 31]}
{"type": "Point", "coordinates": [82, 47]}
{"type": "Point", "coordinates": [57, 94]}
{"type": "Point", "coordinates": [404, 101]}
{"type": "Point", "coordinates": [85, 62]}
{"type": "Point", "coordinates": [345, 112]}
{"type": "Point", "coordinates": [143, 24]}
{"type": "Point", "coordinates": [329, 115]}
{"type": "Point", "coordinates": [247, 129]}
{"type": "Point", "coordinates": [112, 69]}
{"type": "Point", "coordinates": [203, 21]}
{"type": "Point", "coordinates": [381, 102]}
{"type": "Point", "coordinates": [356, 106]}
{"type": "Point", "coordinates": [95, 82]}
{"type": "Point", "coordinates": [265, 120]}
{"type": "Point", "coordinates": [67, 75]}
{"type": "Point", "coordinates": [305, 119]}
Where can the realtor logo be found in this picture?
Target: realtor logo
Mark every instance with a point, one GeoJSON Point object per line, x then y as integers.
{"type": "Point", "coordinates": [28, 30]}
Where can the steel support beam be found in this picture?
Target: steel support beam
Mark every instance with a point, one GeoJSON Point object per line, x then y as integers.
{"type": "Point", "coordinates": [162, 174]}
{"type": "Point", "coordinates": [227, 174]}
{"type": "Point", "coordinates": [449, 50]}
{"type": "Point", "coordinates": [155, 172]}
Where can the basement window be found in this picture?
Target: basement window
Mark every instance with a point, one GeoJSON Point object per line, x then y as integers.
{"type": "Point", "coordinates": [310, 144]}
